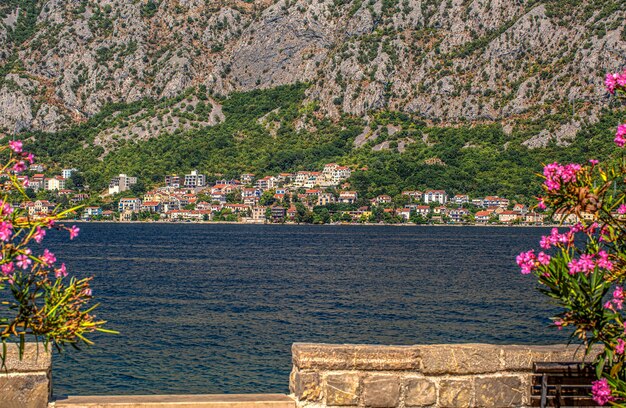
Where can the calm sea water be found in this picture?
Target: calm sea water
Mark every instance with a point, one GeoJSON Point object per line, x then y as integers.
{"type": "Point", "coordinates": [215, 308]}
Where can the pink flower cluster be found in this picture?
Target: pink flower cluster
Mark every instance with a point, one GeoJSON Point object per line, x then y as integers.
{"type": "Point", "coordinates": [614, 81]}
{"type": "Point", "coordinates": [601, 391]}
{"type": "Point", "coordinates": [555, 238]}
{"type": "Point", "coordinates": [618, 299]}
{"type": "Point", "coordinates": [528, 261]}
{"type": "Point", "coordinates": [588, 262]}
{"type": "Point", "coordinates": [556, 175]}
{"type": "Point", "coordinates": [620, 135]}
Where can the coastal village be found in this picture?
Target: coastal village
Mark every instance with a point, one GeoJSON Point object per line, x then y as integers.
{"type": "Point", "coordinates": [320, 197]}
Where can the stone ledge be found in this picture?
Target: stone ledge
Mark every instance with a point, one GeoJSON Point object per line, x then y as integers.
{"type": "Point", "coordinates": [436, 359]}
{"type": "Point", "coordinates": [35, 358]}
{"type": "Point", "coordinates": [355, 357]}
{"type": "Point", "coordinates": [177, 401]}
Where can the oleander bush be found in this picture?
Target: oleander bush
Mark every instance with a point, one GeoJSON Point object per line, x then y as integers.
{"type": "Point", "coordinates": [583, 269]}
{"type": "Point", "coordinates": [40, 301]}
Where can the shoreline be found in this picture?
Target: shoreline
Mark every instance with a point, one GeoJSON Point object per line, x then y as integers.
{"type": "Point", "coordinates": [407, 225]}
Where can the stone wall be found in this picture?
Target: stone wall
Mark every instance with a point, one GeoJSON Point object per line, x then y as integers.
{"type": "Point", "coordinates": [26, 382]}
{"type": "Point", "coordinates": [447, 375]}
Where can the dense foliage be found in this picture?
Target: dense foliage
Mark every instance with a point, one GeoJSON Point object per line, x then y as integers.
{"type": "Point", "coordinates": [583, 270]}
{"type": "Point", "coordinates": [42, 302]}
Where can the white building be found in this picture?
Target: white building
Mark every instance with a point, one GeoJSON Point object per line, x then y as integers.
{"type": "Point", "coordinates": [129, 204]}
{"type": "Point", "coordinates": [195, 179]}
{"type": "Point", "coordinates": [121, 183]}
{"type": "Point", "coordinates": [55, 184]}
{"type": "Point", "coordinates": [67, 173]}
{"type": "Point", "coordinates": [435, 196]}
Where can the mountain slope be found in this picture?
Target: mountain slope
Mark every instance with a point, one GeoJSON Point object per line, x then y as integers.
{"type": "Point", "coordinates": [446, 62]}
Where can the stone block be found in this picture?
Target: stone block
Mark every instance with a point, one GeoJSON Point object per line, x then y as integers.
{"type": "Point", "coordinates": [456, 393]}
{"type": "Point", "coordinates": [307, 386]}
{"type": "Point", "coordinates": [461, 359]}
{"type": "Point", "coordinates": [420, 392]}
{"type": "Point", "coordinates": [355, 357]}
{"type": "Point", "coordinates": [381, 391]}
{"type": "Point", "coordinates": [24, 390]}
{"type": "Point", "coordinates": [499, 392]}
{"type": "Point", "coordinates": [342, 389]}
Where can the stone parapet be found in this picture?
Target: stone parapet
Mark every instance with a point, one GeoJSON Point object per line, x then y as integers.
{"type": "Point", "coordinates": [26, 382]}
{"type": "Point", "coordinates": [439, 376]}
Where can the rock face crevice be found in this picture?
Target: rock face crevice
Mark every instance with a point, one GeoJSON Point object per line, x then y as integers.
{"type": "Point", "coordinates": [485, 60]}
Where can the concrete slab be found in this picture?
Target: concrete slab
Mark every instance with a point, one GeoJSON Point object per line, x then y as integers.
{"type": "Point", "coordinates": [177, 401]}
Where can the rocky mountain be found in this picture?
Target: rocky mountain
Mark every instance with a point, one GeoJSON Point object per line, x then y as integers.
{"type": "Point", "coordinates": [446, 62]}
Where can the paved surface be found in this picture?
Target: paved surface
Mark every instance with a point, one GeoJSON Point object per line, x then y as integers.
{"type": "Point", "coordinates": [177, 401]}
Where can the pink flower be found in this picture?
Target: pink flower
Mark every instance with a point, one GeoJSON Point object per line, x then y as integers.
{"type": "Point", "coordinates": [559, 324]}
{"type": "Point", "coordinates": [541, 205]}
{"type": "Point", "coordinates": [526, 261]}
{"type": "Point", "coordinates": [60, 272]}
{"type": "Point", "coordinates": [610, 81]}
{"type": "Point", "coordinates": [87, 292]}
{"type": "Point", "coordinates": [6, 230]}
{"type": "Point", "coordinates": [619, 348]}
{"type": "Point", "coordinates": [39, 234]}
{"type": "Point", "coordinates": [7, 268]}
{"type": "Point", "coordinates": [618, 297]}
{"type": "Point", "coordinates": [603, 261]}
{"type": "Point", "coordinates": [48, 258]}
{"type": "Point", "coordinates": [620, 135]}
{"type": "Point", "coordinates": [74, 231]}
{"type": "Point", "coordinates": [601, 391]}
{"type": "Point", "coordinates": [19, 166]}
{"type": "Point", "coordinates": [593, 162]}
{"type": "Point", "coordinates": [557, 174]}
{"type": "Point", "coordinates": [30, 158]}
{"type": "Point", "coordinates": [622, 209]}
{"type": "Point", "coordinates": [543, 258]}
{"type": "Point", "coordinates": [23, 261]}
{"type": "Point", "coordinates": [5, 208]}
{"type": "Point", "coordinates": [16, 146]}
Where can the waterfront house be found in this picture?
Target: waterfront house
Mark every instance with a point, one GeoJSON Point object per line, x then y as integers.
{"type": "Point", "coordinates": [495, 201]}
{"type": "Point", "coordinates": [405, 213]}
{"type": "Point", "coordinates": [325, 199]}
{"type": "Point", "coordinates": [91, 212]}
{"type": "Point", "coordinates": [247, 178]}
{"type": "Point", "coordinates": [172, 181]}
{"type": "Point", "coordinates": [121, 183]}
{"type": "Point", "coordinates": [129, 204]}
{"type": "Point", "coordinates": [520, 208]}
{"type": "Point", "coordinates": [151, 206]}
{"type": "Point", "coordinates": [509, 216]}
{"type": "Point", "coordinates": [258, 213]}
{"type": "Point", "coordinates": [348, 197]}
{"type": "Point", "coordinates": [55, 183]}
{"type": "Point", "coordinates": [237, 208]}
{"type": "Point", "coordinates": [460, 199]}
{"type": "Point", "coordinates": [422, 210]}
{"type": "Point", "coordinates": [195, 180]}
{"type": "Point", "coordinates": [458, 214]}
{"type": "Point", "coordinates": [266, 183]}
{"type": "Point", "coordinates": [67, 173]}
{"type": "Point", "coordinates": [278, 213]}
{"type": "Point", "coordinates": [534, 218]}
{"type": "Point", "coordinates": [292, 212]}
{"type": "Point", "coordinates": [435, 196]}
{"type": "Point", "coordinates": [382, 199]}
{"type": "Point", "coordinates": [483, 217]}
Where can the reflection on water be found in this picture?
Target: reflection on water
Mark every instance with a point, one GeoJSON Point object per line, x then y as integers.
{"type": "Point", "coordinates": [215, 308]}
